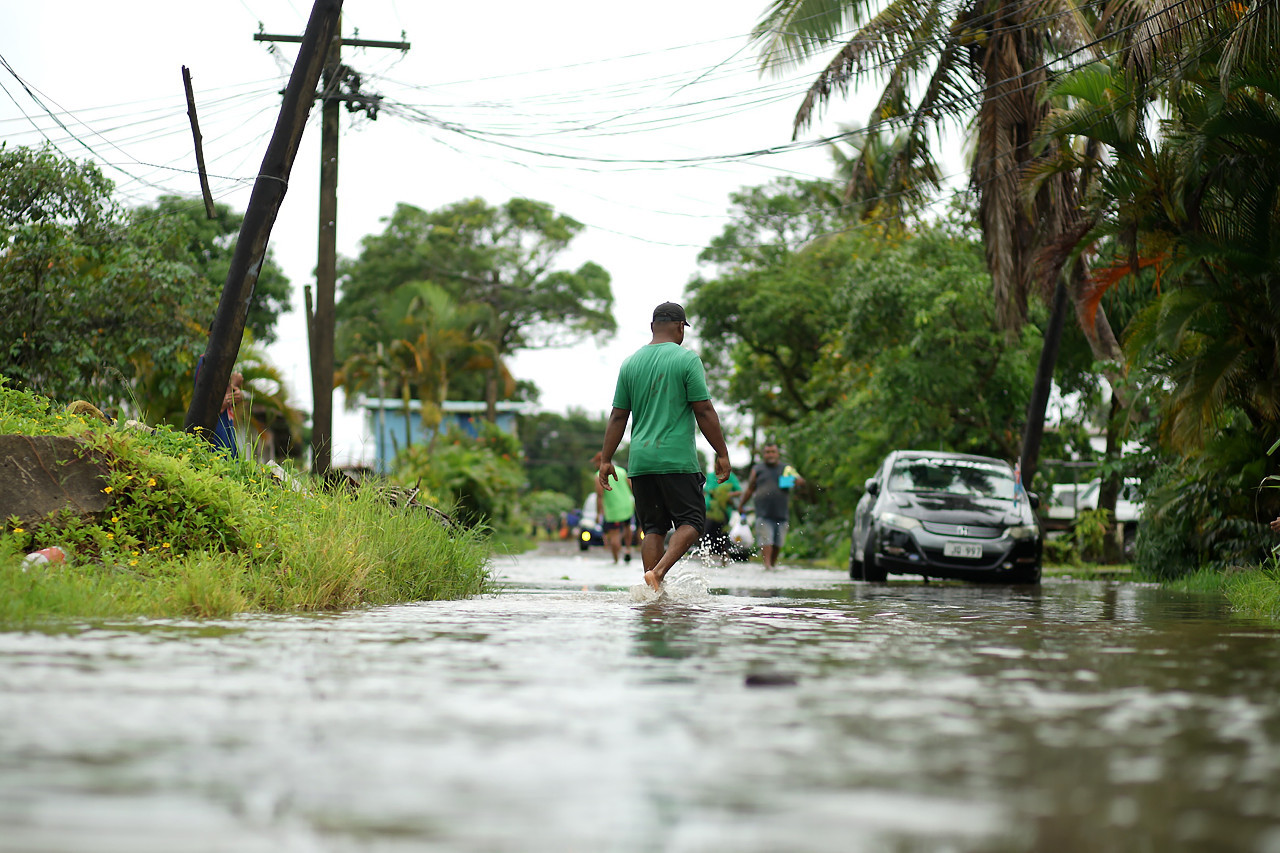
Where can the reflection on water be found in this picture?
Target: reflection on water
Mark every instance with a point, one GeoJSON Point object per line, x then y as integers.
{"type": "Point", "coordinates": [575, 711]}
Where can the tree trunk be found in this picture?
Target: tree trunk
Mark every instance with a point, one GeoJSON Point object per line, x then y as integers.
{"type": "Point", "coordinates": [1109, 491]}
{"type": "Point", "coordinates": [1033, 431]}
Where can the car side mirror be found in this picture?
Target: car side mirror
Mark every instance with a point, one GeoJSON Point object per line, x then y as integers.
{"type": "Point", "coordinates": [872, 486]}
{"type": "Point", "coordinates": [1033, 499]}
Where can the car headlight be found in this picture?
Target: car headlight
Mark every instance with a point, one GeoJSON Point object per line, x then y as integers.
{"type": "Point", "coordinates": [586, 536]}
{"type": "Point", "coordinates": [1023, 531]}
{"type": "Point", "coordinates": [905, 522]}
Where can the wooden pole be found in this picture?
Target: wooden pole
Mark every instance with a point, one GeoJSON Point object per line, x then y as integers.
{"type": "Point", "coordinates": [259, 217]}
{"type": "Point", "coordinates": [195, 132]}
{"type": "Point", "coordinates": [326, 268]}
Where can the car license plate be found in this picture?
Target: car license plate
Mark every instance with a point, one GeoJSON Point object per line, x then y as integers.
{"type": "Point", "coordinates": [962, 549]}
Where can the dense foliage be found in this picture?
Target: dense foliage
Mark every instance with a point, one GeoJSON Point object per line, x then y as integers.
{"type": "Point", "coordinates": [480, 479]}
{"type": "Point", "coordinates": [91, 299]}
{"type": "Point", "coordinates": [858, 342]}
{"type": "Point", "coordinates": [113, 306]}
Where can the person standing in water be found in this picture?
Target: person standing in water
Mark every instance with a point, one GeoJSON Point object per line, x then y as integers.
{"type": "Point", "coordinates": [771, 484]}
{"type": "Point", "coordinates": [665, 386]}
{"type": "Point", "coordinates": [614, 509]}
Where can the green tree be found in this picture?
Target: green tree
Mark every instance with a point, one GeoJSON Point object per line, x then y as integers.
{"type": "Point", "coordinates": [208, 244]}
{"type": "Point", "coordinates": [502, 257]}
{"type": "Point", "coordinates": [764, 319]}
{"type": "Point", "coordinates": [91, 300]}
{"type": "Point", "coordinates": [558, 450]}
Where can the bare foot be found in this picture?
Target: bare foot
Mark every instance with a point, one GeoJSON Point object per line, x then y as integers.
{"type": "Point", "coordinates": [652, 580]}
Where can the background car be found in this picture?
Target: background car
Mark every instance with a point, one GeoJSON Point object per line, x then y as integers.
{"type": "Point", "coordinates": [945, 515]}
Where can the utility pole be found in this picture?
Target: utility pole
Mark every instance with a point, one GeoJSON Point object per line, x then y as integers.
{"type": "Point", "coordinates": [341, 85]}
{"type": "Point", "coordinates": [264, 203]}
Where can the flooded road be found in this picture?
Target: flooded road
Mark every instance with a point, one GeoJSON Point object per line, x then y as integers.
{"type": "Point", "coordinates": [743, 711]}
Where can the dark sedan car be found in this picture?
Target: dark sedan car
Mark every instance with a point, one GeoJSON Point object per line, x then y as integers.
{"type": "Point", "coordinates": [945, 515]}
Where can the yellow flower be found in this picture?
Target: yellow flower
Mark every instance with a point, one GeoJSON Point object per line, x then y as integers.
{"type": "Point", "coordinates": [133, 562]}
{"type": "Point", "coordinates": [18, 530]}
{"type": "Point", "coordinates": [111, 536]}
{"type": "Point", "coordinates": [151, 482]}
{"type": "Point", "coordinates": [165, 545]}
{"type": "Point", "coordinates": [257, 544]}
{"type": "Point", "coordinates": [115, 519]}
{"type": "Point", "coordinates": [108, 490]}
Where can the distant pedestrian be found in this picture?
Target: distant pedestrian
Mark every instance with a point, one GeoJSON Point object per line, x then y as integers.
{"type": "Point", "coordinates": [665, 386]}
{"type": "Point", "coordinates": [771, 483]}
{"type": "Point", "coordinates": [614, 509]}
{"type": "Point", "coordinates": [224, 431]}
{"type": "Point", "coordinates": [720, 499]}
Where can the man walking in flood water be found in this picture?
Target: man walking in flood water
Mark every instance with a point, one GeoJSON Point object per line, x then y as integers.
{"type": "Point", "coordinates": [665, 386]}
{"type": "Point", "coordinates": [771, 485]}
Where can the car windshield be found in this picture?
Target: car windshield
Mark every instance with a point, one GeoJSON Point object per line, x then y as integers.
{"type": "Point", "coordinates": [971, 477]}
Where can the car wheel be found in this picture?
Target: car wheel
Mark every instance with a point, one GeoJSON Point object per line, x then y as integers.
{"type": "Point", "coordinates": [583, 544]}
{"type": "Point", "coordinates": [855, 573]}
{"type": "Point", "coordinates": [871, 571]}
{"type": "Point", "coordinates": [1026, 576]}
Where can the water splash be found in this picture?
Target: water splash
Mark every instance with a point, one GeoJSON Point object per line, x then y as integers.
{"type": "Point", "coordinates": [684, 584]}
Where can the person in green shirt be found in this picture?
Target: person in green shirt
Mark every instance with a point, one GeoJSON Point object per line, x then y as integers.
{"type": "Point", "coordinates": [720, 500]}
{"type": "Point", "coordinates": [665, 386]}
{"type": "Point", "coordinates": [614, 509]}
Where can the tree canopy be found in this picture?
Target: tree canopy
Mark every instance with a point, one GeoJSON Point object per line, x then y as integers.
{"type": "Point", "coordinates": [91, 298]}
{"type": "Point", "coordinates": [209, 245]}
{"type": "Point", "coordinates": [502, 259]}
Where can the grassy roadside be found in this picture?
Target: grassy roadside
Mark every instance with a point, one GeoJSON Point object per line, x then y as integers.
{"type": "Point", "coordinates": [192, 533]}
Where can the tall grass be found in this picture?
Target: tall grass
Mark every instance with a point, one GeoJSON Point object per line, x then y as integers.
{"type": "Point", "coordinates": [1256, 593]}
{"type": "Point", "coordinates": [192, 533]}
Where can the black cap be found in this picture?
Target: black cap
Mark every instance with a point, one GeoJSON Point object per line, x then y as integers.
{"type": "Point", "coordinates": [669, 312]}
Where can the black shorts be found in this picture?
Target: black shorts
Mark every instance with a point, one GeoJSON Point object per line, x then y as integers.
{"type": "Point", "coordinates": [664, 501]}
{"type": "Point", "coordinates": [616, 525]}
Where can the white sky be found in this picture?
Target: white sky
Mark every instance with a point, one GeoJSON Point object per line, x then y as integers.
{"type": "Point", "coordinates": [579, 83]}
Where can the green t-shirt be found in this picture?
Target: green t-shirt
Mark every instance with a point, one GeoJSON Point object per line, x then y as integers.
{"type": "Point", "coordinates": [657, 384]}
{"type": "Point", "coordinates": [619, 505]}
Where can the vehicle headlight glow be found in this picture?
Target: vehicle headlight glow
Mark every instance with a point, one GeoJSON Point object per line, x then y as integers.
{"type": "Point", "coordinates": [904, 522]}
{"type": "Point", "coordinates": [586, 536]}
{"type": "Point", "coordinates": [1023, 531]}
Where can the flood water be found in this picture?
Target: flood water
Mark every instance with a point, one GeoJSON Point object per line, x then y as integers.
{"type": "Point", "coordinates": [742, 711]}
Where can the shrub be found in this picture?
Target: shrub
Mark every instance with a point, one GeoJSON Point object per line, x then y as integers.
{"type": "Point", "coordinates": [483, 475]}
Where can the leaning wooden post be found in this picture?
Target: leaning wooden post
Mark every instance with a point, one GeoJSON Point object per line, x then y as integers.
{"type": "Point", "coordinates": [259, 217]}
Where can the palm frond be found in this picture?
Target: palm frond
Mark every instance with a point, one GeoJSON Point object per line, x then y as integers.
{"type": "Point", "coordinates": [793, 31]}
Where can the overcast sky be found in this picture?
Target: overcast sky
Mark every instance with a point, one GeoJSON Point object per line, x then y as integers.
{"type": "Point", "coordinates": [636, 120]}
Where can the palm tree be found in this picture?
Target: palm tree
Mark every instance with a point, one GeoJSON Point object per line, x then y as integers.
{"type": "Point", "coordinates": [441, 338]}
{"type": "Point", "coordinates": [981, 61]}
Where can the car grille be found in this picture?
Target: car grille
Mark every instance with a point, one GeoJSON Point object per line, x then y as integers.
{"type": "Point", "coordinates": [970, 531]}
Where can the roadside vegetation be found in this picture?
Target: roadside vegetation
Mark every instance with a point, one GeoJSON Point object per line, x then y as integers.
{"type": "Point", "coordinates": [190, 532]}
